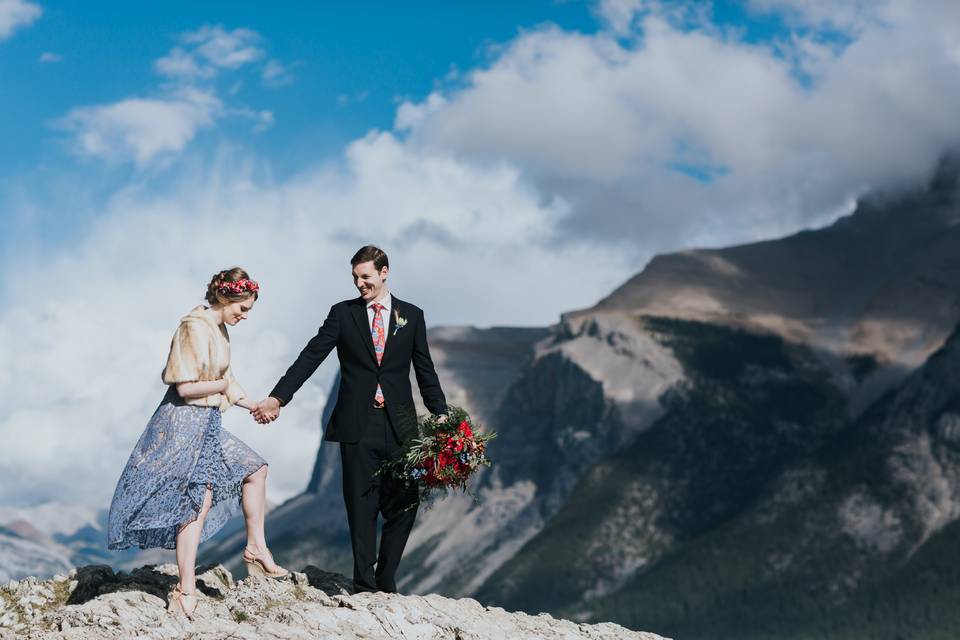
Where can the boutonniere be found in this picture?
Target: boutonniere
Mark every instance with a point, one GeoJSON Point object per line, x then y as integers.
{"type": "Point", "coordinates": [401, 322]}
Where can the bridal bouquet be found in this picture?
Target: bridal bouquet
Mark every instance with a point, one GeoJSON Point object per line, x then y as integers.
{"type": "Point", "coordinates": [442, 456]}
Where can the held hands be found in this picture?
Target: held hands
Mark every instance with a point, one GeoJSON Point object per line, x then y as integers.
{"type": "Point", "coordinates": [266, 411]}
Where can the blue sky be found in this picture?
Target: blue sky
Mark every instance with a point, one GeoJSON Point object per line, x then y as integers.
{"type": "Point", "coordinates": [346, 67]}
{"type": "Point", "coordinates": [516, 159]}
{"type": "Point", "coordinates": [349, 62]}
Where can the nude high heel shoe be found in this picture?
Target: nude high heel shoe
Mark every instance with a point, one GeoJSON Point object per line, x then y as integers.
{"type": "Point", "coordinates": [257, 567]}
{"type": "Point", "coordinates": [175, 602]}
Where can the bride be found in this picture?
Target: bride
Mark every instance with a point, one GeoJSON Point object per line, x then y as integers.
{"type": "Point", "coordinates": [187, 475]}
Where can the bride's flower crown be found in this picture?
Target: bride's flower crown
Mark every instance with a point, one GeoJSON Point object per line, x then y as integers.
{"type": "Point", "coordinates": [239, 287]}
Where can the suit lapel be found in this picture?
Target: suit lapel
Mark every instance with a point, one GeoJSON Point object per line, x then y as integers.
{"type": "Point", "coordinates": [363, 324]}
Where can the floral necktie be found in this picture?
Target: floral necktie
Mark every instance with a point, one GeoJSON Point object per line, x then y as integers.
{"type": "Point", "coordinates": [379, 335]}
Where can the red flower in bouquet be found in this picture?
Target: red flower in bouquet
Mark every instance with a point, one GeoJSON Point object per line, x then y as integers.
{"type": "Point", "coordinates": [455, 444]}
{"type": "Point", "coordinates": [429, 471]}
{"type": "Point", "coordinates": [444, 456]}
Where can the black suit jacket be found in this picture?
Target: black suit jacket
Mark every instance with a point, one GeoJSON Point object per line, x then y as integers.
{"type": "Point", "coordinates": [348, 329]}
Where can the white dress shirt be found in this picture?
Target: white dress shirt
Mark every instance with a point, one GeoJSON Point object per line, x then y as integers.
{"type": "Point", "coordinates": [386, 301]}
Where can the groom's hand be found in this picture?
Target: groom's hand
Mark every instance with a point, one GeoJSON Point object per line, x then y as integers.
{"type": "Point", "coordinates": [442, 419]}
{"type": "Point", "coordinates": [266, 411]}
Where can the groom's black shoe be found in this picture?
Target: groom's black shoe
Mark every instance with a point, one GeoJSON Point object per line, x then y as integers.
{"type": "Point", "coordinates": [359, 588]}
{"type": "Point", "coordinates": [387, 589]}
{"type": "Point", "coordinates": [362, 589]}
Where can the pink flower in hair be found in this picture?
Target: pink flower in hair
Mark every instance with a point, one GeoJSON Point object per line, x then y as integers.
{"type": "Point", "coordinates": [239, 287]}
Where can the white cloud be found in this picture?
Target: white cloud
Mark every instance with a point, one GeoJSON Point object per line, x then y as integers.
{"type": "Point", "coordinates": [141, 128]}
{"type": "Point", "coordinates": [276, 74]}
{"type": "Point", "coordinates": [50, 57]}
{"type": "Point", "coordinates": [84, 336]}
{"type": "Point", "coordinates": [226, 49]}
{"type": "Point", "coordinates": [145, 129]}
{"type": "Point", "coordinates": [346, 99]}
{"type": "Point", "coordinates": [209, 50]}
{"type": "Point", "coordinates": [15, 14]}
{"type": "Point", "coordinates": [265, 121]}
{"type": "Point", "coordinates": [687, 134]}
{"type": "Point", "coordinates": [411, 115]}
{"type": "Point", "coordinates": [182, 65]}
{"type": "Point", "coordinates": [620, 14]}
{"type": "Point", "coordinates": [846, 15]}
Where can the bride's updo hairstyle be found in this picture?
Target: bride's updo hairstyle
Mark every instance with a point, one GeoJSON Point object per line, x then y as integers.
{"type": "Point", "coordinates": [231, 285]}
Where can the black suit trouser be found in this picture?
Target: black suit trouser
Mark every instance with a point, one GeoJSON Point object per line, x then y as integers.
{"type": "Point", "coordinates": [367, 495]}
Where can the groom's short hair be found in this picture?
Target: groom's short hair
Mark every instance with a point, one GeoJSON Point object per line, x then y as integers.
{"type": "Point", "coordinates": [373, 254]}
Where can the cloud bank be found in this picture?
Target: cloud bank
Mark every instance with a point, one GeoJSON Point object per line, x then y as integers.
{"type": "Point", "coordinates": [668, 130]}
{"type": "Point", "coordinates": [84, 337]}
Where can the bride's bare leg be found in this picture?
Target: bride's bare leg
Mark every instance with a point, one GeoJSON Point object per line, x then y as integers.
{"type": "Point", "coordinates": [254, 500]}
{"type": "Point", "coordinates": [188, 539]}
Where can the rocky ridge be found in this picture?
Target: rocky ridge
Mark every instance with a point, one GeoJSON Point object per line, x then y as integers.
{"type": "Point", "coordinates": [848, 538]}
{"type": "Point", "coordinates": [879, 282]}
{"type": "Point", "coordinates": [95, 603]}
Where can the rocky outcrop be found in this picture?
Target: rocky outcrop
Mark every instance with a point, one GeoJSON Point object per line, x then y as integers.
{"type": "Point", "coordinates": [95, 603]}
{"type": "Point", "coordinates": [879, 282]}
{"type": "Point", "coordinates": [588, 390]}
{"type": "Point", "coordinates": [911, 488]}
{"type": "Point", "coordinates": [844, 532]}
{"type": "Point", "coordinates": [747, 406]}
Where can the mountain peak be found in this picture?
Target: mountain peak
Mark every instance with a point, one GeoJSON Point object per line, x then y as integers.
{"type": "Point", "coordinates": [880, 281]}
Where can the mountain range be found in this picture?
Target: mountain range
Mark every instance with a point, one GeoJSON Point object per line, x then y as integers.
{"type": "Point", "coordinates": [752, 442]}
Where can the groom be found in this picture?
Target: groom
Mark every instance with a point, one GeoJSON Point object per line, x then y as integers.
{"type": "Point", "coordinates": [377, 337]}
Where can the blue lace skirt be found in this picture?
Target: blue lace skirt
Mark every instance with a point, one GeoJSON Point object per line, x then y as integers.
{"type": "Point", "coordinates": [183, 450]}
